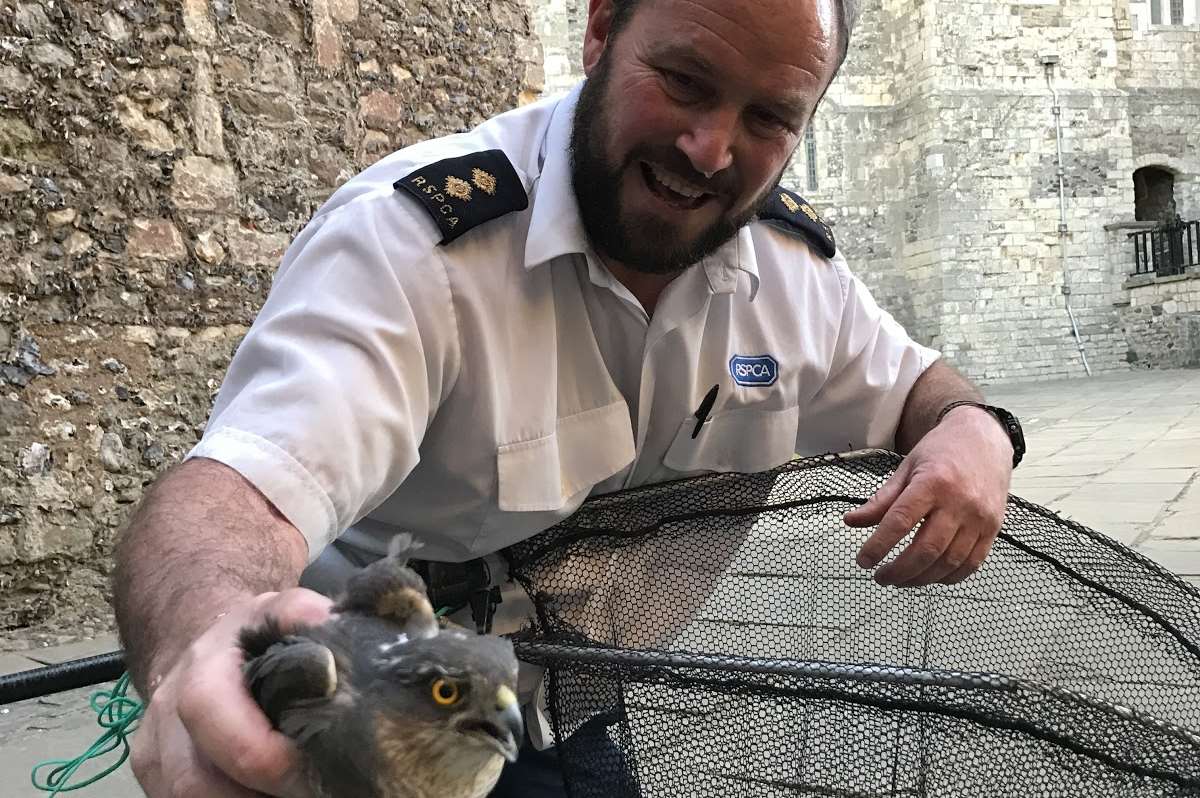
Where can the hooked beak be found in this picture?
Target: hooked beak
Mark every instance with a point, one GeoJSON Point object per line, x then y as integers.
{"type": "Point", "coordinates": [501, 726]}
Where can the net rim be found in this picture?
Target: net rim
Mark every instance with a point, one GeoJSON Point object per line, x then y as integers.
{"type": "Point", "coordinates": [557, 655]}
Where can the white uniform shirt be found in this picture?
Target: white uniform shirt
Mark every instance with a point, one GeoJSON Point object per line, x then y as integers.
{"type": "Point", "coordinates": [475, 393]}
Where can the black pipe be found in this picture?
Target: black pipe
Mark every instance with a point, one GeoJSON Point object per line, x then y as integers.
{"type": "Point", "coordinates": [39, 682]}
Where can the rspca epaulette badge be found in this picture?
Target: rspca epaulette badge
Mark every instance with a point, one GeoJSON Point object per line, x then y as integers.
{"type": "Point", "coordinates": [464, 192]}
{"type": "Point", "coordinates": [792, 210]}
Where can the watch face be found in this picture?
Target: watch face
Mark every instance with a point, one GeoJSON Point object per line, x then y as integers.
{"type": "Point", "coordinates": [1015, 433]}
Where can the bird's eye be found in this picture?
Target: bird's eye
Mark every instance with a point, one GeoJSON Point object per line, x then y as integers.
{"type": "Point", "coordinates": [445, 692]}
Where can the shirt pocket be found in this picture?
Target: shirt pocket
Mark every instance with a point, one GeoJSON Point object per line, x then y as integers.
{"type": "Point", "coordinates": [745, 439]}
{"type": "Point", "coordinates": [546, 473]}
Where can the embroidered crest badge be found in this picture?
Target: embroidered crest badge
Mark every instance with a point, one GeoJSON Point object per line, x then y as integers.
{"type": "Point", "coordinates": [789, 211]}
{"type": "Point", "coordinates": [464, 192]}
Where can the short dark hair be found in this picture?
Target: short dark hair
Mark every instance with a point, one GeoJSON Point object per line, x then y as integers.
{"type": "Point", "coordinates": [847, 16]}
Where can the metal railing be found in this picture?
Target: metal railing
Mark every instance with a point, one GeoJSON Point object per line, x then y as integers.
{"type": "Point", "coordinates": [1170, 248]}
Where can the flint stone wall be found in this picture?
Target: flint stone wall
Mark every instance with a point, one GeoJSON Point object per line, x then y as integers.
{"type": "Point", "coordinates": [155, 161]}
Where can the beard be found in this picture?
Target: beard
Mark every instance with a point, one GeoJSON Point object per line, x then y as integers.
{"type": "Point", "coordinates": [641, 242]}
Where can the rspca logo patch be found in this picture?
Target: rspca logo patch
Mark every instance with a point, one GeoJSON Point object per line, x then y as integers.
{"type": "Point", "coordinates": [758, 371]}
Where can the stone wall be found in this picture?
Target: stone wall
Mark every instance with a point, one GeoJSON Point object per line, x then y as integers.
{"type": "Point", "coordinates": [1163, 83]}
{"type": "Point", "coordinates": [873, 156]}
{"type": "Point", "coordinates": [155, 160]}
{"type": "Point", "coordinates": [986, 205]}
{"type": "Point", "coordinates": [559, 25]}
{"type": "Point", "coordinates": [1162, 321]}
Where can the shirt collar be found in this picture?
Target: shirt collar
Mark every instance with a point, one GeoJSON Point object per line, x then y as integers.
{"type": "Point", "coordinates": [735, 255]}
{"type": "Point", "coordinates": [555, 227]}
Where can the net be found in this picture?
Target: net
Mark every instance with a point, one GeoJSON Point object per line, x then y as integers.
{"type": "Point", "coordinates": [714, 637]}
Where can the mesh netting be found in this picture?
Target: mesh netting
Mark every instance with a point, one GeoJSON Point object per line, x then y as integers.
{"type": "Point", "coordinates": [714, 637]}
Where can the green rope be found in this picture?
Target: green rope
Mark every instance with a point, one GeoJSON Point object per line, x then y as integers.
{"type": "Point", "coordinates": [118, 715]}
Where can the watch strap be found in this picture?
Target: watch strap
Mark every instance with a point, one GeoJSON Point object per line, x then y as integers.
{"type": "Point", "coordinates": [1007, 420]}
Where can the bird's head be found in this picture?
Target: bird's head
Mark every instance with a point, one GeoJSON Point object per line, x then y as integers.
{"type": "Point", "coordinates": [460, 688]}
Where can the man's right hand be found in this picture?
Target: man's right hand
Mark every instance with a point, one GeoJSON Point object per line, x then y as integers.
{"type": "Point", "coordinates": [203, 736]}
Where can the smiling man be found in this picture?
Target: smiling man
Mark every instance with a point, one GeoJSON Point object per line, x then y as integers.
{"type": "Point", "coordinates": [688, 119]}
{"type": "Point", "coordinates": [478, 332]}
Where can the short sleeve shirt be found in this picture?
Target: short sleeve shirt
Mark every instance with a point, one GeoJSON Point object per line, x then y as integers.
{"type": "Point", "coordinates": [474, 393]}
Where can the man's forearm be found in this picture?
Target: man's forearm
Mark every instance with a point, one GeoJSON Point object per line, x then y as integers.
{"type": "Point", "coordinates": [937, 387]}
{"type": "Point", "coordinates": [202, 539]}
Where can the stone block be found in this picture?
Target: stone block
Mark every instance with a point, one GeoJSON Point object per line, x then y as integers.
{"type": "Point", "coordinates": [327, 42]}
{"type": "Point", "coordinates": [60, 218]}
{"type": "Point", "coordinates": [205, 112]}
{"type": "Point", "coordinates": [12, 184]}
{"type": "Point", "coordinates": [138, 334]}
{"type": "Point", "coordinates": [152, 134]}
{"type": "Point", "coordinates": [380, 109]}
{"type": "Point", "coordinates": [275, 72]}
{"type": "Point", "coordinates": [252, 248]}
{"type": "Point", "coordinates": [41, 540]}
{"type": "Point", "coordinates": [271, 107]}
{"type": "Point", "coordinates": [156, 239]}
{"type": "Point", "coordinates": [198, 23]}
{"type": "Point", "coordinates": [201, 184]}
{"type": "Point", "coordinates": [343, 10]}
{"type": "Point", "coordinates": [77, 243]}
{"type": "Point", "coordinates": [276, 17]}
{"type": "Point", "coordinates": [52, 56]}
{"type": "Point", "coordinates": [208, 248]}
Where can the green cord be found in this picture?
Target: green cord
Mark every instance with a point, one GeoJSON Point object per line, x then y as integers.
{"type": "Point", "coordinates": [116, 713]}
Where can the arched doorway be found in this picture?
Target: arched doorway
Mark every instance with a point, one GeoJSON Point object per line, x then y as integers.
{"type": "Point", "coordinates": [1173, 244]}
{"type": "Point", "coordinates": [1154, 194]}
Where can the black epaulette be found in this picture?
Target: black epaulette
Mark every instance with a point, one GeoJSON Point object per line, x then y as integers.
{"type": "Point", "coordinates": [464, 192]}
{"type": "Point", "coordinates": [789, 210]}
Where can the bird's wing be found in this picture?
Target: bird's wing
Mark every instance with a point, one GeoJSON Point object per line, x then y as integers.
{"type": "Point", "coordinates": [283, 671]}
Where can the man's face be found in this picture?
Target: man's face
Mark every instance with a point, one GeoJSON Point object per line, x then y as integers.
{"type": "Point", "coordinates": [690, 87]}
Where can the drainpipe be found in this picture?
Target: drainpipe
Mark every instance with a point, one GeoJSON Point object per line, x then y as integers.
{"type": "Point", "coordinates": [1049, 61]}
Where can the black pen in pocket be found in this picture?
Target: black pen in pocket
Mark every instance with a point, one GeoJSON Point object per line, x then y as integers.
{"type": "Point", "coordinates": [705, 408]}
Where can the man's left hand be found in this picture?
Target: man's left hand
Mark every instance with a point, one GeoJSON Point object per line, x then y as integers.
{"type": "Point", "coordinates": [955, 484]}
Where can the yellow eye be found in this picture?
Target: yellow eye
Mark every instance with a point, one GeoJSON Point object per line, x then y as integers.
{"type": "Point", "coordinates": [445, 692]}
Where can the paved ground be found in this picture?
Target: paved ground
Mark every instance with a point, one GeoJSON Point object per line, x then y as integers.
{"type": "Point", "coordinates": [1120, 454]}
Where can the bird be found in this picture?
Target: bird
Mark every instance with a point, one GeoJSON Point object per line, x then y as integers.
{"type": "Point", "coordinates": [385, 700]}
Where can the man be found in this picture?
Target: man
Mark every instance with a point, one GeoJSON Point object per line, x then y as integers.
{"type": "Point", "coordinates": [478, 332]}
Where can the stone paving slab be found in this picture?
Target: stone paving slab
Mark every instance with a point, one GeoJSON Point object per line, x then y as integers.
{"type": "Point", "coordinates": [14, 663]}
{"type": "Point", "coordinates": [1157, 476]}
{"type": "Point", "coordinates": [1183, 559]}
{"type": "Point", "coordinates": [1119, 453]}
{"type": "Point", "coordinates": [72, 651]}
{"type": "Point", "coordinates": [1183, 525]}
{"type": "Point", "coordinates": [61, 726]}
{"type": "Point", "coordinates": [1156, 494]}
{"type": "Point", "coordinates": [1125, 532]}
{"type": "Point", "coordinates": [1096, 514]}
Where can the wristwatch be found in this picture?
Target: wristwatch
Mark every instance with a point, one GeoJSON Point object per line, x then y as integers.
{"type": "Point", "coordinates": [1007, 420]}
